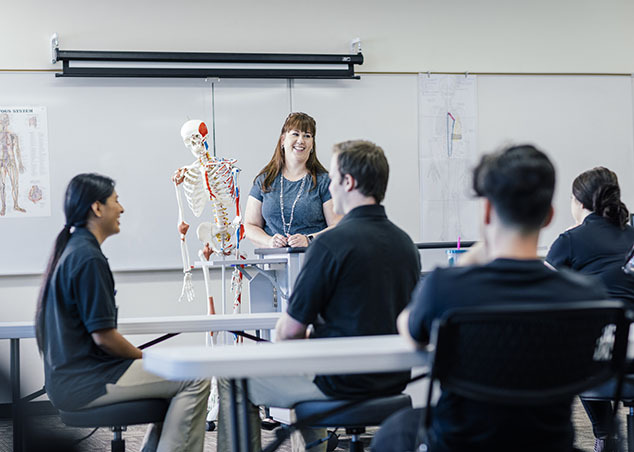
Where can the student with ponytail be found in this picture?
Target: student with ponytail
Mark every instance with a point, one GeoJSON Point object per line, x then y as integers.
{"type": "Point", "coordinates": [598, 245]}
{"type": "Point", "coordinates": [87, 362]}
{"type": "Point", "coordinates": [599, 241]}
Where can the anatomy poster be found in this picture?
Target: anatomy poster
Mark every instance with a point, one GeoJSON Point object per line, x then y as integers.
{"type": "Point", "coordinates": [24, 162]}
{"type": "Point", "coordinates": [448, 147]}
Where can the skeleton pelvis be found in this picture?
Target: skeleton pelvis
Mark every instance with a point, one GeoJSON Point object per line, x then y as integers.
{"type": "Point", "coordinates": [214, 235]}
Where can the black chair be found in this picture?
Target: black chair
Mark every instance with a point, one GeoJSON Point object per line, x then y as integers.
{"type": "Point", "coordinates": [355, 418]}
{"type": "Point", "coordinates": [605, 392]}
{"type": "Point", "coordinates": [118, 416]}
{"type": "Point", "coordinates": [533, 354]}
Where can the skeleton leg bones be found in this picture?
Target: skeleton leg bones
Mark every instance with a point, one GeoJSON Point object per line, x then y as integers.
{"type": "Point", "coordinates": [210, 339]}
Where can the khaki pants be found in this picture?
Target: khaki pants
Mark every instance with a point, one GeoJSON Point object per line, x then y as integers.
{"type": "Point", "coordinates": [283, 392]}
{"type": "Point", "coordinates": [184, 426]}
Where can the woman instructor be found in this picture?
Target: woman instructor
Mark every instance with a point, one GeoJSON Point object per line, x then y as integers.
{"type": "Point", "coordinates": [289, 203]}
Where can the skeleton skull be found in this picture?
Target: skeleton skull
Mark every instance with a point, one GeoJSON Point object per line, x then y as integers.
{"type": "Point", "coordinates": [194, 134]}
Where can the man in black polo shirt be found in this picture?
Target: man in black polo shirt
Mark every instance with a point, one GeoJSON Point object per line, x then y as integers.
{"type": "Point", "coordinates": [516, 186]}
{"type": "Point", "coordinates": [355, 280]}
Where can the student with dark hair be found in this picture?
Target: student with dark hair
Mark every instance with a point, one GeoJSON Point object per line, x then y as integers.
{"type": "Point", "coordinates": [601, 238]}
{"type": "Point", "coordinates": [516, 186]}
{"type": "Point", "coordinates": [598, 245]}
{"type": "Point", "coordinates": [87, 362]}
{"type": "Point", "coordinates": [355, 280]}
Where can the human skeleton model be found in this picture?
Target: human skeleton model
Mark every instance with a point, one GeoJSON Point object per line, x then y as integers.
{"type": "Point", "coordinates": [10, 164]}
{"type": "Point", "coordinates": [214, 179]}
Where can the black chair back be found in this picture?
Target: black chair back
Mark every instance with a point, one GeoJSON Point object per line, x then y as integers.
{"type": "Point", "coordinates": [528, 354]}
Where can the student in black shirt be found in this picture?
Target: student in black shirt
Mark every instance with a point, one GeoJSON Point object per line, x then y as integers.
{"type": "Point", "coordinates": [598, 245]}
{"type": "Point", "coordinates": [355, 279]}
{"type": "Point", "coordinates": [601, 238]}
{"type": "Point", "coordinates": [516, 186]}
{"type": "Point", "coordinates": [87, 362]}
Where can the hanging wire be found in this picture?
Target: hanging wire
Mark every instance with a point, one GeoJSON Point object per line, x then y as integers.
{"type": "Point", "coordinates": [213, 116]}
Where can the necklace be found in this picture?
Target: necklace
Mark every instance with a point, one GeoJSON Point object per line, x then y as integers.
{"type": "Point", "coordinates": [286, 227]}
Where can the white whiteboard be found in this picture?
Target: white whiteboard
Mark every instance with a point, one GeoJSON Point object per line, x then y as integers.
{"type": "Point", "coordinates": [379, 108]}
{"type": "Point", "coordinates": [129, 129]}
{"type": "Point", "coordinates": [579, 121]}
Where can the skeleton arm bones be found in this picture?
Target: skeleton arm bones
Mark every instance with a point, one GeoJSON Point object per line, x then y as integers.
{"type": "Point", "coordinates": [188, 290]}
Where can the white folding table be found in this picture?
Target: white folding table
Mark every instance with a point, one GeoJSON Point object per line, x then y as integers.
{"type": "Point", "coordinates": [299, 357]}
{"type": "Point", "coordinates": [14, 331]}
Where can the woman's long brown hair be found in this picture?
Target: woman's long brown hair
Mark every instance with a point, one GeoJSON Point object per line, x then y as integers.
{"type": "Point", "coordinates": [303, 123]}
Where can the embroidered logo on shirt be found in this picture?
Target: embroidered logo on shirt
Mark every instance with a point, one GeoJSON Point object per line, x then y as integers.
{"type": "Point", "coordinates": [605, 344]}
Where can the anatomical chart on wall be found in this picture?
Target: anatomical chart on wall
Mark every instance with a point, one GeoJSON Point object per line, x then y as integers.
{"type": "Point", "coordinates": [24, 162]}
{"type": "Point", "coordinates": [447, 152]}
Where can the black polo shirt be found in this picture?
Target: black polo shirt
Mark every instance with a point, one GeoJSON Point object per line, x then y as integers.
{"type": "Point", "coordinates": [597, 247]}
{"type": "Point", "coordinates": [461, 424]}
{"type": "Point", "coordinates": [356, 279]}
{"type": "Point", "coordinates": [80, 300]}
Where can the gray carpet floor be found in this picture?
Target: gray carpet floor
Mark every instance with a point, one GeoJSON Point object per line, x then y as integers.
{"type": "Point", "coordinates": [100, 441]}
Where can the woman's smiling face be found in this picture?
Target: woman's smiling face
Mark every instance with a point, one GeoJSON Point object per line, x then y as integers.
{"type": "Point", "coordinates": [297, 143]}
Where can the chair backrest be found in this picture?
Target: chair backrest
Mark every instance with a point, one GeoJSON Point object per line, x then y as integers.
{"type": "Point", "coordinates": [527, 354]}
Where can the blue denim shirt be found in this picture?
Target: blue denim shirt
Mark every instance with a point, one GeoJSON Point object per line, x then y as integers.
{"type": "Point", "coordinates": [308, 216]}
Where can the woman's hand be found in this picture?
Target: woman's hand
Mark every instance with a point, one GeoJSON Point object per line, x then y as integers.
{"type": "Point", "coordinates": [278, 241]}
{"type": "Point", "coordinates": [296, 240]}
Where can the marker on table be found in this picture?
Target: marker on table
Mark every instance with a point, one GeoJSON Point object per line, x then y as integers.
{"type": "Point", "coordinates": [458, 242]}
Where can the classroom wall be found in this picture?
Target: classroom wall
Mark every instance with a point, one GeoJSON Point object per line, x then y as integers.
{"type": "Point", "coordinates": [397, 35]}
{"type": "Point", "coordinates": [400, 35]}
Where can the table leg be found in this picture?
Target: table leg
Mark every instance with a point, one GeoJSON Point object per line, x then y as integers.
{"type": "Point", "coordinates": [15, 395]}
{"type": "Point", "coordinates": [224, 288]}
{"type": "Point", "coordinates": [235, 438]}
{"type": "Point", "coordinates": [246, 434]}
{"type": "Point", "coordinates": [294, 266]}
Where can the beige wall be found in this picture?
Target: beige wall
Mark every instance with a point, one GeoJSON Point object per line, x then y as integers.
{"type": "Point", "coordinates": [397, 35]}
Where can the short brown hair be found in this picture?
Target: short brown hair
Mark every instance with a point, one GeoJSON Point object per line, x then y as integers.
{"type": "Point", "coordinates": [366, 163]}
